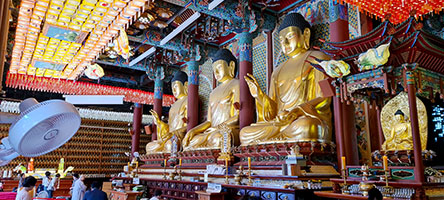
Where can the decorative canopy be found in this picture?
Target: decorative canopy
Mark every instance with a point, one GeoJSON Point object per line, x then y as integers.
{"type": "Point", "coordinates": [74, 33]}
{"type": "Point", "coordinates": [397, 11]}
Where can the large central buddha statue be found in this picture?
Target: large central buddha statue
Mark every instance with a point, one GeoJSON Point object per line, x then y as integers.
{"type": "Point", "coordinates": [222, 110]}
{"type": "Point", "coordinates": [294, 109]}
{"type": "Point", "coordinates": [176, 121]}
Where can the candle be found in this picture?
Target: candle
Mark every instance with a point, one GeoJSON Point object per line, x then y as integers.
{"type": "Point", "coordinates": [180, 161]}
{"type": "Point", "coordinates": [343, 163]}
{"type": "Point", "coordinates": [249, 162]}
{"type": "Point", "coordinates": [385, 163]}
{"type": "Point", "coordinates": [137, 164]}
{"type": "Point", "coordinates": [165, 162]}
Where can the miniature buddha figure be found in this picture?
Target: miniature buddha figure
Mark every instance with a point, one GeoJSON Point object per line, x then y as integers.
{"type": "Point", "coordinates": [400, 134]}
{"type": "Point", "coordinates": [294, 109]}
{"type": "Point", "coordinates": [222, 109]}
{"type": "Point", "coordinates": [176, 121]}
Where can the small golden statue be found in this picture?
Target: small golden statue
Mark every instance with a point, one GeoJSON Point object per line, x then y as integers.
{"type": "Point", "coordinates": [222, 109]}
{"type": "Point", "coordinates": [294, 109]}
{"type": "Point", "coordinates": [176, 121]}
{"type": "Point", "coordinates": [397, 130]}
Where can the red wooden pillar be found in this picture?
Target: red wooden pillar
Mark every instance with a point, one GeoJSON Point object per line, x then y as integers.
{"type": "Point", "coordinates": [246, 115]}
{"type": "Point", "coordinates": [4, 29]}
{"type": "Point", "coordinates": [337, 113]}
{"type": "Point", "coordinates": [417, 150]}
{"type": "Point", "coordinates": [345, 129]}
{"type": "Point", "coordinates": [158, 94]}
{"type": "Point", "coordinates": [193, 95]}
{"type": "Point", "coordinates": [381, 136]}
{"type": "Point", "coordinates": [137, 123]}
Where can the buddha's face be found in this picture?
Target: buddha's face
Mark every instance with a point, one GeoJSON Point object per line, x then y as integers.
{"type": "Point", "coordinates": [179, 89]}
{"type": "Point", "coordinates": [294, 41]}
{"type": "Point", "coordinates": [399, 118]}
{"type": "Point", "coordinates": [223, 71]}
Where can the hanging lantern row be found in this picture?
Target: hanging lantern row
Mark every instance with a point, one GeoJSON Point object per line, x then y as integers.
{"type": "Point", "coordinates": [61, 86]}
{"type": "Point", "coordinates": [397, 11]}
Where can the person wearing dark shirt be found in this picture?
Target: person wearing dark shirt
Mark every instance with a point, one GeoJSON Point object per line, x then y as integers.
{"type": "Point", "coordinates": [95, 193]}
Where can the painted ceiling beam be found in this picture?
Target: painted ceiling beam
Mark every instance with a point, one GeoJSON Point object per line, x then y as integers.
{"type": "Point", "coordinates": [149, 38]}
{"type": "Point", "coordinates": [138, 66]}
{"type": "Point", "coordinates": [180, 28]}
{"type": "Point", "coordinates": [142, 56]}
{"type": "Point", "coordinates": [227, 11]}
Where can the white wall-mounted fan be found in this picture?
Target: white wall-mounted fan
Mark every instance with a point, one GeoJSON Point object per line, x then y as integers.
{"type": "Point", "coordinates": [39, 129]}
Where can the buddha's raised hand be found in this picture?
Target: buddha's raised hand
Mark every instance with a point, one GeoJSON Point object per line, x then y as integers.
{"type": "Point", "coordinates": [253, 85]}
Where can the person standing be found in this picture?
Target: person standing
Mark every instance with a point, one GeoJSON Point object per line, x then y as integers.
{"type": "Point", "coordinates": [22, 178]}
{"type": "Point", "coordinates": [46, 181]}
{"type": "Point", "coordinates": [95, 193]}
{"type": "Point", "coordinates": [75, 177]}
{"type": "Point", "coordinates": [79, 189]}
{"type": "Point", "coordinates": [53, 185]}
{"type": "Point", "coordinates": [28, 186]}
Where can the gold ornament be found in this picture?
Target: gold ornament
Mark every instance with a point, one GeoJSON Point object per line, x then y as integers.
{"type": "Point", "coordinates": [397, 129]}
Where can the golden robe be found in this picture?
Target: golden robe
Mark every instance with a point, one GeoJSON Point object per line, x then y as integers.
{"type": "Point", "coordinates": [221, 109]}
{"type": "Point", "coordinates": [294, 110]}
{"type": "Point", "coordinates": [176, 125]}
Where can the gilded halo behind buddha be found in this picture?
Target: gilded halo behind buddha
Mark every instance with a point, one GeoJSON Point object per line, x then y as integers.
{"type": "Point", "coordinates": [222, 110]}
{"type": "Point", "coordinates": [396, 125]}
{"type": "Point", "coordinates": [294, 109]}
{"type": "Point", "coordinates": [176, 123]}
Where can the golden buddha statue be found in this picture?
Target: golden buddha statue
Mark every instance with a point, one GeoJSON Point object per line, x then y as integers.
{"type": "Point", "coordinates": [222, 109]}
{"type": "Point", "coordinates": [400, 135]}
{"type": "Point", "coordinates": [397, 130]}
{"type": "Point", "coordinates": [176, 121]}
{"type": "Point", "coordinates": [294, 109]}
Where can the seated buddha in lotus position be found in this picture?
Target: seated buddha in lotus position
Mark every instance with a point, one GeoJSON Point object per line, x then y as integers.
{"type": "Point", "coordinates": [222, 110]}
{"type": "Point", "coordinates": [400, 134]}
{"type": "Point", "coordinates": [176, 121]}
{"type": "Point", "coordinates": [294, 109]}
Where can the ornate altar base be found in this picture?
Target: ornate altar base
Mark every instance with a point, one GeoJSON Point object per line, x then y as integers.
{"type": "Point", "coordinates": [267, 187]}
{"type": "Point", "coordinates": [154, 160]}
{"type": "Point", "coordinates": [276, 153]}
{"type": "Point", "coordinates": [201, 157]}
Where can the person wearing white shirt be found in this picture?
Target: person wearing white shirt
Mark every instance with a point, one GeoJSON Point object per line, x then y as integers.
{"type": "Point", "coordinates": [79, 189]}
{"type": "Point", "coordinates": [46, 181]}
{"type": "Point", "coordinates": [53, 185]}
{"type": "Point", "coordinates": [28, 186]}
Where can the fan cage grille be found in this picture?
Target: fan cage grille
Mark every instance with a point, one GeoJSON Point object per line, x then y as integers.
{"type": "Point", "coordinates": [37, 141]}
